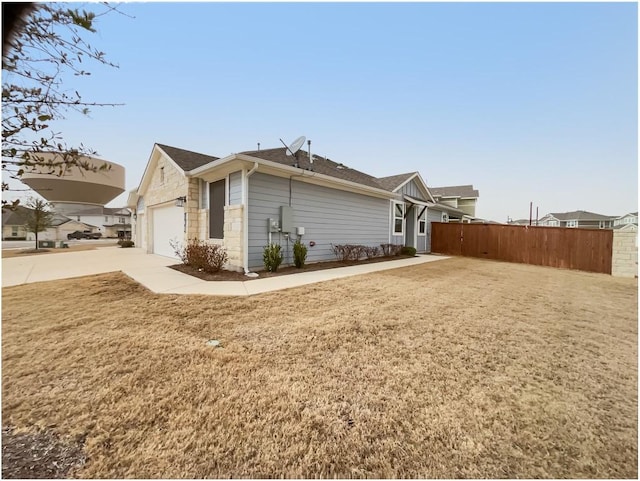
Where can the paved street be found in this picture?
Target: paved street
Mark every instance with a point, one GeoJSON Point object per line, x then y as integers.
{"type": "Point", "coordinates": [30, 244]}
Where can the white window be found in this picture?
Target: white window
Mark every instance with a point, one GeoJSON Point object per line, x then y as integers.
{"type": "Point", "coordinates": [422, 223]}
{"type": "Point", "coordinates": [554, 223]}
{"type": "Point", "coordinates": [122, 220]}
{"type": "Point", "coordinates": [398, 218]}
{"type": "Point", "coordinates": [14, 230]}
{"type": "Point", "coordinates": [106, 218]}
{"type": "Point", "coordinates": [445, 217]}
{"type": "Point", "coordinates": [602, 224]}
{"type": "Point", "coordinates": [572, 223]}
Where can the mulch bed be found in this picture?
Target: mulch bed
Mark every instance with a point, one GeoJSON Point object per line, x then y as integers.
{"type": "Point", "coordinates": [39, 455]}
{"type": "Point", "coordinates": [282, 271]}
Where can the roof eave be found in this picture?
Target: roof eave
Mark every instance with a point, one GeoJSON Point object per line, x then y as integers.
{"type": "Point", "coordinates": [275, 166]}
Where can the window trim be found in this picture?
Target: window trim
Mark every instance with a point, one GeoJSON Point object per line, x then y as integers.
{"type": "Point", "coordinates": [444, 217]}
{"type": "Point", "coordinates": [423, 220]}
{"type": "Point", "coordinates": [396, 217]}
{"type": "Point", "coordinates": [224, 207]}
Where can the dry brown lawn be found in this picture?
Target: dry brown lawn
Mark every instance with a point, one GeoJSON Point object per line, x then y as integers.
{"type": "Point", "coordinates": [8, 253]}
{"type": "Point", "coordinates": [457, 368]}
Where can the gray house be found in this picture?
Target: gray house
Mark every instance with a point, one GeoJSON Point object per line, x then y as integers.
{"type": "Point", "coordinates": [247, 200]}
{"type": "Point", "coordinates": [577, 219]}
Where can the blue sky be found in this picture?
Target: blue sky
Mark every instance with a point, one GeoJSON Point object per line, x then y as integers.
{"type": "Point", "coordinates": [526, 101]}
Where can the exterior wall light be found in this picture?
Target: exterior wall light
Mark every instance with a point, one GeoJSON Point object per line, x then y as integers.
{"type": "Point", "coordinates": [180, 201]}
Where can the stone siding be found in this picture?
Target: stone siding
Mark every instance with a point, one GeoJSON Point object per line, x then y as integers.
{"type": "Point", "coordinates": [234, 236]}
{"type": "Point", "coordinates": [625, 254]}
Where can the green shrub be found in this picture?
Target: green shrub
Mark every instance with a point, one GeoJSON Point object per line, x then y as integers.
{"type": "Point", "coordinates": [299, 254]}
{"type": "Point", "coordinates": [272, 257]}
{"type": "Point", "coordinates": [126, 243]}
{"type": "Point", "coordinates": [408, 251]}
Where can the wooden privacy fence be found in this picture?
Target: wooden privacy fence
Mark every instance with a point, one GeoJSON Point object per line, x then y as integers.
{"type": "Point", "coordinates": [583, 249]}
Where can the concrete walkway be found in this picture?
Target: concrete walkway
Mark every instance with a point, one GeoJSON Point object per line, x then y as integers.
{"type": "Point", "coordinates": [152, 272]}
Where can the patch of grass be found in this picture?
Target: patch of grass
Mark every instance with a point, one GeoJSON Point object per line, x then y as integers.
{"type": "Point", "coordinates": [457, 368]}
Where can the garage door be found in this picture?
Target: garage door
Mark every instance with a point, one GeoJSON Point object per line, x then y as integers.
{"type": "Point", "coordinates": [168, 225]}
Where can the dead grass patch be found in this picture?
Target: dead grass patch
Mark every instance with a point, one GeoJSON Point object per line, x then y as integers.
{"type": "Point", "coordinates": [9, 253]}
{"type": "Point", "coordinates": [457, 368]}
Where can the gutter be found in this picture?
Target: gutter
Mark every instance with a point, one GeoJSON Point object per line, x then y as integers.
{"type": "Point", "coordinates": [245, 220]}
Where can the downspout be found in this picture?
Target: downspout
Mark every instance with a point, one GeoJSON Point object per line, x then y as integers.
{"type": "Point", "coordinates": [245, 220]}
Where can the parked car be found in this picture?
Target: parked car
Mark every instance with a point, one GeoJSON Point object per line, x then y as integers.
{"type": "Point", "coordinates": [76, 235]}
{"type": "Point", "coordinates": [84, 235]}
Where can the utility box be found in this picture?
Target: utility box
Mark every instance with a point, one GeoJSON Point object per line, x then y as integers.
{"type": "Point", "coordinates": [300, 230]}
{"type": "Point", "coordinates": [286, 218]}
{"type": "Point", "coordinates": [273, 225]}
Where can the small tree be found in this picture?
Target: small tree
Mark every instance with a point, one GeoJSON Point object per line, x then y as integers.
{"type": "Point", "coordinates": [39, 218]}
{"type": "Point", "coordinates": [47, 47]}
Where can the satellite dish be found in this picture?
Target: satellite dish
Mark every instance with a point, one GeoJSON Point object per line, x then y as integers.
{"type": "Point", "coordinates": [295, 145]}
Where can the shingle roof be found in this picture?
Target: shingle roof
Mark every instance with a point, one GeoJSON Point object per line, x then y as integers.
{"type": "Point", "coordinates": [115, 211]}
{"type": "Point", "coordinates": [320, 165]}
{"type": "Point", "coordinates": [186, 159]}
{"type": "Point", "coordinates": [15, 216]}
{"type": "Point", "coordinates": [448, 208]}
{"type": "Point", "coordinates": [392, 182]}
{"type": "Point", "coordinates": [18, 217]}
{"type": "Point", "coordinates": [454, 191]}
{"type": "Point", "coordinates": [579, 215]}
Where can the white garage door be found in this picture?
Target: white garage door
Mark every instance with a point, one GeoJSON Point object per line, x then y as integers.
{"type": "Point", "coordinates": [168, 225]}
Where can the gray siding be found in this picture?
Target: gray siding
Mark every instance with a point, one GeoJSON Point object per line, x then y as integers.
{"type": "Point", "coordinates": [235, 188]}
{"type": "Point", "coordinates": [412, 190]}
{"type": "Point", "coordinates": [329, 217]}
{"type": "Point", "coordinates": [433, 215]}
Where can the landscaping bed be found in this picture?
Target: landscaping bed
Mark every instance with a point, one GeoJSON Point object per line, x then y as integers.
{"type": "Point", "coordinates": [224, 275]}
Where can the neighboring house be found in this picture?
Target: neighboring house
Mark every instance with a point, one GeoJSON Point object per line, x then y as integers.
{"type": "Point", "coordinates": [110, 222]}
{"type": "Point", "coordinates": [245, 201]}
{"type": "Point", "coordinates": [13, 226]}
{"type": "Point", "coordinates": [631, 218]}
{"type": "Point", "coordinates": [13, 223]}
{"type": "Point", "coordinates": [461, 197]}
{"type": "Point", "coordinates": [577, 219]}
{"type": "Point", "coordinates": [626, 227]}
{"type": "Point", "coordinates": [521, 222]}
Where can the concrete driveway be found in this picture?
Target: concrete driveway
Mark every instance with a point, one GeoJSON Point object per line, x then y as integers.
{"type": "Point", "coordinates": [48, 267]}
{"type": "Point", "coordinates": [151, 271]}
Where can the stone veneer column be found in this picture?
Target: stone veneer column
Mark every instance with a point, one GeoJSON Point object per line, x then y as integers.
{"type": "Point", "coordinates": [233, 236]}
{"type": "Point", "coordinates": [625, 254]}
{"type": "Point", "coordinates": [192, 208]}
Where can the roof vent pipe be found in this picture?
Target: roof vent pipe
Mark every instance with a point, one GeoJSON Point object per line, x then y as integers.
{"type": "Point", "coordinates": [310, 156]}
